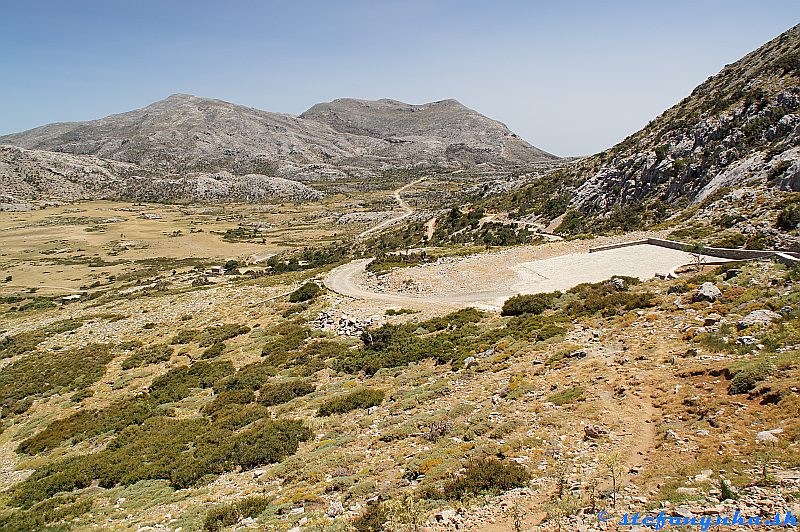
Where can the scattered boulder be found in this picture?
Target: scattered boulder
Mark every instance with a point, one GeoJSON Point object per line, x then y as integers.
{"type": "Point", "coordinates": [344, 325]}
{"type": "Point", "coordinates": [593, 432]}
{"type": "Point", "coordinates": [707, 292]}
{"type": "Point", "coordinates": [768, 436]}
{"type": "Point", "coordinates": [445, 516]}
{"type": "Point", "coordinates": [733, 272]}
{"type": "Point", "coordinates": [580, 353]}
{"type": "Point", "coordinates": [335, 509]}
{"type": "Point", "coordinates": [762, 317]}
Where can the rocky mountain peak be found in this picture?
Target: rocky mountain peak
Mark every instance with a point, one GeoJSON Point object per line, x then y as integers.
{"type": "Point", "coordinates": [184, 133]}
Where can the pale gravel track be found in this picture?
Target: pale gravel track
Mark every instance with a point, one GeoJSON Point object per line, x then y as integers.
{"type": "Point", "coordinates": [489, 290]}
{"type": "Point", "coordinates": [404, 206]}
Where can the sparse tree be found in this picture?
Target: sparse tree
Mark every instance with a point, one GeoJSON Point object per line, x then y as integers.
{"type": "Point", "coordinates": [405, 514]}
{"type": "Point", "coordinates": [518, 516]}
{"type": "Point", "coordinates": [698, 258]}
{"type": "Point", "coordinates": [613, 464]}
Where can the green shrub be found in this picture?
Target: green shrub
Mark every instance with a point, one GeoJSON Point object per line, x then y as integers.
{"type": "Point", "coordinates": [50, 515]}
{"type": "Point", "coordinates": [400, 311]}
{"type": "Point", "coordinates": [288, 337]}
{"type": "Point", "coordinates": [45, 374]}
{"type": "Point", "coordinates": [253, 506]}
{"type": "Point", "coordinates": [27, 341]}
{"type": "Point", "coordinates": [372, 519]}
{"type": "Point", "coordinates": [148, 355]}
{"type": "Point", "coordinates": [529, 303]}
{"type": "Point", "coordinates": [486, 476]}
{"type": "Point", "coordinates": [181, 451]}
{"type": "Point", "coordinates": [606, 299]}
{"type": "Point", "coordinates": [185, 336]}
{"type": "Point", "coordinates": [732, 240]}
{"type": "Point", "coordinates": [250, 377]}
{"type": "Point", "coordinates": [230, 514]}
{"type": "Point", "coordinates": [747, 376]}
{"type": "Point", "coordinates": [567, 395]}
{"type": "Point", "coordinates": [788, 218]}
{"type": "Point", "coordinates": [221, 517]}
{"type": "Point", "coordinates": [307, 292]}
{"type": "Point", "coordinates": [128, 345]}
{"type": "Point", "coordinates": [220, 333]}
{"type": "Point", "coordinates": [364, 398]}
{"type": "Point", "coordinates": [230, 397]}
{"type": "Point", "coordinates": [175, 385]}
{"type": "Point", "coordinates": [216, 349]}
{"type": "Point", "coordinates": [38, 303]}
{"type": "Point", "coordinates": [454, 320]}
{"type": "Point", "coordinates": [788, 63]}
{"type": "Point", "coordinates": [283, 392]}
{"type": "Point", "coordinates": [449, 338]}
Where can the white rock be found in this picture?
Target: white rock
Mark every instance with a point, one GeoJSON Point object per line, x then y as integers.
{"type": "Point", "coordinates": [762, 317]}
{"type": "Point", "coordinates": [768, 436]}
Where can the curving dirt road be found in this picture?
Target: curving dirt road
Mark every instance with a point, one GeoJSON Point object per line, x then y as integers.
{"type": "Point", "coordinates": [347, 280]}
{"type": "Point", "coordinates": [405, 207]}
{"type": "Point", "coordinates": [487, 280]}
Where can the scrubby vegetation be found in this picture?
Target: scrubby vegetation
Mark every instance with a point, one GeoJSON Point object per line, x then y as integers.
{"type": "Point", "coordinates": [306, 292]}
{"type": "Point", "coordinates": [229, 514]}
{"type": "Point", "coordinates": [180, 451]}
{"type": "Point", "coordinates": [47, 515]}
{"type": "Point", "coordinates": [396, 345]}
{"type": "Point", "coordinates": [283, 392]}
{"type": "Point", "coordinates": [567, 395]}
{"type": "Point", "coordinates": [148, 355]}
{"type": "Point", "coordinates": [26, 342]}
{"type": "Point", "coordinates": [384, 262]}
{"type": "Point", "coordinates": [173, 386]}
{"type": "Point", "coordinates": [529, 304]}
{"type": "Point", "coordinates": [489, 475]}
{"type": "Point", "coordinates": [364, 398]}
{"type": "Point", "coordinates": [308, 258]}
{"type": "Point", "coordinates": [284, 341]}
{"type": "Point", "coordinates": [210, 335]}
{"type": "Point", "coordinates": [44, 374]}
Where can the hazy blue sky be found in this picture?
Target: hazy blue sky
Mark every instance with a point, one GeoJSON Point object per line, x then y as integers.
{"type": "Point", "coordinates": [569, 77]}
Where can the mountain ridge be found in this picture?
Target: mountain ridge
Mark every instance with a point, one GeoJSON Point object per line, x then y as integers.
{"type": "Point", "coordinates": [736, 135]}
{"type": "Point", "coordinates": [184, 133]}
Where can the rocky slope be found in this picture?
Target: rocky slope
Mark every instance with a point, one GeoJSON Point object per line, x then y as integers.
{"type": "Point", "coordinates": [186, 133]}
{"type": "Point", "coordinates": [30, 175]}
{"type": "Point", "coordinates": [737, 134]}
{"type": "Point", "coordinates": [445, 127]}
{"type": "Point", "coordinates": [33, 176]}
{"type": "Point", "coordinates": [740, 126]}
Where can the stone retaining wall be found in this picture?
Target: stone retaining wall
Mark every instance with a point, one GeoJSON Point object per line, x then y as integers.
{"type": "Point", "coordinates": [786, 257]}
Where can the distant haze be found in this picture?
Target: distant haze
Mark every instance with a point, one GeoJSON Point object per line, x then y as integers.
{"type": "Point", "coordinates": [571, 78]}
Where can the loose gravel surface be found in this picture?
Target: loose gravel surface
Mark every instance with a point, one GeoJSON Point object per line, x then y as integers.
{"type": "Point", "coordinates": [486, 280]}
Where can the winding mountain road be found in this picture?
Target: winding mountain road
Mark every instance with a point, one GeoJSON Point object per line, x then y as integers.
{"type": "Point", "coordinates": [347, 280]}
{"type": "Point", "coordinates": [493, 278]}
{"type": "Point", "coordinates": [405, 207]}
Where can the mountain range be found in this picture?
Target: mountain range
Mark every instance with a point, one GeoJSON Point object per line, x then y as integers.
{"type": "Point", "coordinates": [739, 128]}
{"type": "Point", "coordinates": [183, 137]}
